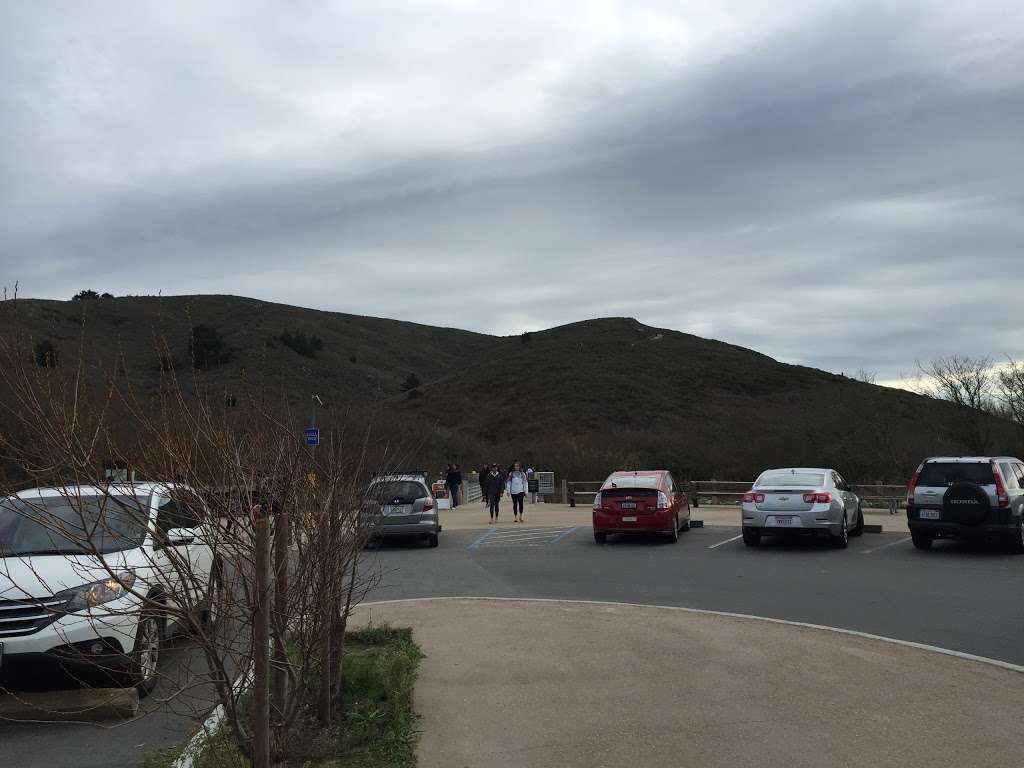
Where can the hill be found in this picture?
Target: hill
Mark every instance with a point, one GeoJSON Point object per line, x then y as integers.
{"type": "Point", "coordinates": [582, 398]}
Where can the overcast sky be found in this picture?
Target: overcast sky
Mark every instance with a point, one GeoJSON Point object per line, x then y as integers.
{"type": "Point", "coordinates": [839, 184]}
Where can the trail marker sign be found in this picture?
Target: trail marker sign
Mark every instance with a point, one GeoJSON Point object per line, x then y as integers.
{"type": "Point", "coordinates": [312, 436]}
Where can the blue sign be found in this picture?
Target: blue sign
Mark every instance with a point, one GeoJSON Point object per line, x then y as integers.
{"type": "Point", "coordinates": [312, 436]}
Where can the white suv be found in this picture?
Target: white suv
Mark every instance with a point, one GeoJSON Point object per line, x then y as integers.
{"type": "Point", "coordinates": [92, 579]}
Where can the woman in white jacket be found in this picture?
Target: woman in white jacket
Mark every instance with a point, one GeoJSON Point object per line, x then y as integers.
{"type": "Point", "coordinates": [518, 485]}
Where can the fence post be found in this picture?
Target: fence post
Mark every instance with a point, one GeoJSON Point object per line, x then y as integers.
{"type": "Point", "coordinates": [565, 492]}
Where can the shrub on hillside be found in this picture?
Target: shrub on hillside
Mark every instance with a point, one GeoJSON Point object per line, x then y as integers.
{"type": "Point", "coordinates": [46, 355]}
{"type": "Point", "coordinates": [206, 348]}
{"type": "Point", "coordinates": [305, 345]}
{"type": "Point", "coordinates": [411, 382]}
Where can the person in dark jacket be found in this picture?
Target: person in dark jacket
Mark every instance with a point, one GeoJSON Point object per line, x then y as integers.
{"type": "Point", "coordinates": [453, 479]}
{"type": "Point", "coordinates": [495, 488]}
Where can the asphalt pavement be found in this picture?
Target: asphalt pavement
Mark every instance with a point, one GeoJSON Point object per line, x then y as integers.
{"type": "Point", "coordinates": [963, 597]}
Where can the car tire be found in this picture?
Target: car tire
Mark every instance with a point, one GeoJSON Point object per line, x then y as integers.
{"type": "Point", "coordinates": [921, 539]}
{"type": "Point", "coordinates": [214, 598]}
{"type": "Point", "coordinates": [843, 539]}
{"type": "Point", "coordinates": [673, 535]}
{"type": "Point", "coordinates": [751, 537]}
{"type": "Point", "coordinates": [858, 529]}
{"type": "Point", "coordinates": [600, 538]}
{"type": "Point", "coordinates": [432, 540]}
{"type": "Point", "coordinates": [1016, 540]}
{"type": "Point", "coordinates": [145, 659]}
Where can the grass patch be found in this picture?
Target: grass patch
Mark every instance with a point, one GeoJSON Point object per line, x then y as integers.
{"type": "Point", "coordinates": [376, 725]}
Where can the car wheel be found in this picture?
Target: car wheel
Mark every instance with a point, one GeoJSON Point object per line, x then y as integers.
{"type": "Point", "coordinates": [600, 538]}
{"type": "Point", "coordinates": [858, 529]}
{"type": "Point", "coordinates": [673, 534]}
{"type": "Point", "coordinates": [843, 539]}
{"type": "Point", "coordinates": [751, 538]}
{"type": "Point", "coordinates": [145, 660]}
{"type": "Point", "coordinates": [214, 599]}
{"type": "Point", "coordinates": [1016, 542]}
{"type": "Point", "coordinates": [922, 539]}
{"type": "Point", "coordinates": [432, 539]}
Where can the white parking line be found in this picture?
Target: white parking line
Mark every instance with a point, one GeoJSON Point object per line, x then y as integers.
{"type": "Point", "coordinates": [726, 541]}
{"type": "Point", "coordinates": [885, 546]}
{"type": "Point", "coordinates": [519, 531]}
{"type": "Point", "coordinates": [527, 537]}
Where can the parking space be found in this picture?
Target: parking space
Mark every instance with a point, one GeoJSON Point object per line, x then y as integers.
{"type": "Point", "coordinates": [521, 537]}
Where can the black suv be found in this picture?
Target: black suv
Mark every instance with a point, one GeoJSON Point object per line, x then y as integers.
{"type": "Point", "coordinates": [965, 496]}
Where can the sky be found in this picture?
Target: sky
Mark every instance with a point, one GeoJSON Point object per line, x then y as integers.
{"type": "Point", "coordinates": [837, 184]}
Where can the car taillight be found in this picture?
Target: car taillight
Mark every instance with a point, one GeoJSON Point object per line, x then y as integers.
{"type": "Point", "coordinates": [752, 498]}
{"type": "Point", "coordinates": [818, 498]}
{"type": "Point", "coordinates": [428, 505]}
{"type": "Point", "coordinates": [1001, 494]}
{"type": "Point", "coordinates": [913, 484]}
{"type": "Point", "coordinates": [597, 500]}
{"type": "Point", "coordinates": [662, 500]}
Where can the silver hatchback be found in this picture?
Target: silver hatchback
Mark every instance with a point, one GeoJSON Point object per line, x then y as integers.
{"type": "Point", "coordinates": [801, 500]}
{"type": "Point", "coordinates": [400, 505]}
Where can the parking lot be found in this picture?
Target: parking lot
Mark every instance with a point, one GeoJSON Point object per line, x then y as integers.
{"type": "Point", "coordinates": [959, 596]}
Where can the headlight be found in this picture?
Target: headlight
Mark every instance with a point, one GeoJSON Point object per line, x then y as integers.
{"type": "Point", "coordinates": [99, 592]}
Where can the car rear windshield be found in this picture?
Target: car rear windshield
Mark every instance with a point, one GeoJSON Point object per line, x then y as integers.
{"type": "Point", "coordinates": [397, 492]}
{"type": "Point", "coordinates": [790, 479]}
{"type": "Point", "coordinates": [633, 481]}
{"type": "Point", "coordinates": [943, 473]}
{"type": "Point", "coordinates": [75, 525]}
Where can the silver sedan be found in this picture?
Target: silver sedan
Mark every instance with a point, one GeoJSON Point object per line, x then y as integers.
{"type": "Point", "coordinates": [801, 500]}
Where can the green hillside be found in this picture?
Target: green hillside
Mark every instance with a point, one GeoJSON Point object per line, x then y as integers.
{"type": "Point", "coordinates": [582, 398]}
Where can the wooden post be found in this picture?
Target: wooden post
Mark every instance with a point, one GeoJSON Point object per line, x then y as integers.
{"type": "Point", "coordinates": [261, 643]}
{"type": "Point", "coordinates": [279, 677]}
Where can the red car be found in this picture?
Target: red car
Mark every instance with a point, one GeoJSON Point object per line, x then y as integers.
{"type": "Point", "coordinates": [643, 501]}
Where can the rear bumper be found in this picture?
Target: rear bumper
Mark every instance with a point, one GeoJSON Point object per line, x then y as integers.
{"type": "Point", "coordinates": [646, 522]}
{"type": "Point", "coordinates": [948, 528]}
{"type": "Point", "coordinates": [814, 521]}
{"type": "Point", "coordinates": [425, 528]}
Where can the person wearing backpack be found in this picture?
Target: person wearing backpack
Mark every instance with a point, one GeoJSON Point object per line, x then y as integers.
{"type": "Point", "coordinates": [518, 485]}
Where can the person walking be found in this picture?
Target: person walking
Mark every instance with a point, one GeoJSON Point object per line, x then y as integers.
{"type": "Point", "coordinates": [454, 482]}
{"type": "Point", "coordinates": [495, 487]}
{"type": "Point", "coordinates": [518, 485]}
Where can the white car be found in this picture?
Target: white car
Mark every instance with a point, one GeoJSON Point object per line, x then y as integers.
{"type": "Point", "coordinates": [91, 579]}
{"type": "Point", "coordinates": [801, 500]}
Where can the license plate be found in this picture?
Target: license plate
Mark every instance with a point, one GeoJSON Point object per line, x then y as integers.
{"type": "Point", "coordinates": [396, 510]}
{"type": "Point", "coordinates": [629, 519]}
{"type": "Point", "coordinates": [783, 519]}
{"type": "Point", "coordinates": [929, 514]}
{"type": "Point", "coordinates": [628, 505]}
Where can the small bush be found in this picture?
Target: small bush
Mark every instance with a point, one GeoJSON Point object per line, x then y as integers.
{"type": "Point", "coordinates": [46, 355]}
{"type": "Point", "coordinates": [411, 382]}
{"type": "Point", "coordinates": [206, 348]}
{"type": "Point", "coordinates": [352, 358]}
{"type": "Point", "coordinates": [86, 295]}
{"type": "Point", "coordinates": [305, 345]}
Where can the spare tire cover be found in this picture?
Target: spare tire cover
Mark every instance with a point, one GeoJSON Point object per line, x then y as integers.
{"type": "Point", "coordinates": [966, 503]}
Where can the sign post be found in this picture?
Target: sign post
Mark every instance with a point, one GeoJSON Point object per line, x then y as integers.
{"type": "Point", "coordinates": [312, 436]}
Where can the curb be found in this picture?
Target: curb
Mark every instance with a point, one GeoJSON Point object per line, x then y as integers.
{"type": "Point", "coordinates": [729, 615]}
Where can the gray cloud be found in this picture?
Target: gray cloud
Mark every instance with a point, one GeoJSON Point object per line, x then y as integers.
{"type": "Point", "coordinates": [843, 191]}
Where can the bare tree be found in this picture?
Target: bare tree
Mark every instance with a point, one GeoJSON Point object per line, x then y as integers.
{"type": "Point", "coordinates": [240, 477]}
{"type": "Point", "coordinates": [968, 383]}
{"type": "Point", "coordinates": [1010, 383]}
